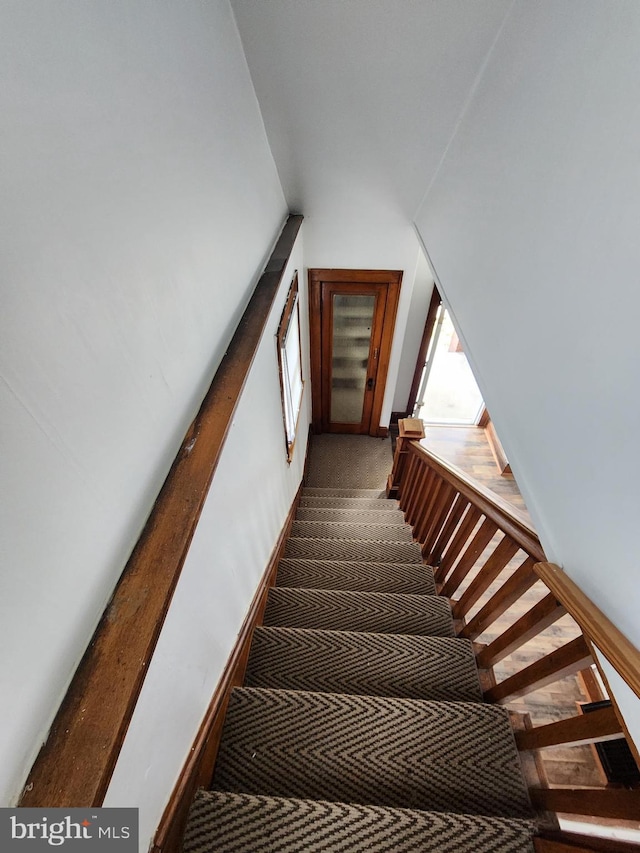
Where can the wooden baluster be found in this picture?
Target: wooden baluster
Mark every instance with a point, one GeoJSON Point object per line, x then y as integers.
{"type": "Point", "coordinates": [440, 513]}
{"type": "Point", "coordinates": [410, 429]}
{"type": "Point", "coordinates": [424, 482]}
{"type": "Point", "coordinates": [597, 802]}
{"type": "Point", "coordinates": [429, 488]}
{"type": "Point", "coordinates": [471, 517]}
{"type": "Point", "coordinates": [566, 660]}
{"type": "Point", "coordinates": [407, 487]}
{"type": "Point", "coordinates": [426, 513]}
{"type": "Point", "coordinates": [503, 554]}
{"type": "Point", "coordinates": [520, 581]}
{"type": "Point", "coordinates": [457, 511]}
{"type": "Point", "coordinates": [469, 558]}
{"type": "Point", "coordinates": [544, 613]}
{"type": "Point", "coordinates": [599, 725]}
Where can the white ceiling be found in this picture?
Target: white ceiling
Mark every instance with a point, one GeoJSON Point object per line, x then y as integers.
{"type": "Point", "coordinates": [361, 97]}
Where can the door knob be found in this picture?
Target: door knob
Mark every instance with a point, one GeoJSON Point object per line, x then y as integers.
{"type": "Point", "coordinates": [370, 383]}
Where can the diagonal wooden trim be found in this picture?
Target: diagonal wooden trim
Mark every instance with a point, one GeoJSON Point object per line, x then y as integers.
{"type": "Point", "coordinates": [472, 553]}
{"type": "Point", "coordinates": [540, 616]}
{"type": "Point", "coordinates": [520, 581]}
{"type": "Point", "coordinates": [566, 660]}
{"type": "Point", "coordinates": [427, 332]}
{"type": "Point", "coordinates": [585, 728]}
{"type": "Point", "coordinates": [597, 802]}
{"type": "Point", "coordinates": [503, 554]}
{"type": "Point", "coordinates": [618, 650]}
{"type": "Point", "coordinates": [197, 770]}
{"type": "Point", "coordinates": [75, 765]}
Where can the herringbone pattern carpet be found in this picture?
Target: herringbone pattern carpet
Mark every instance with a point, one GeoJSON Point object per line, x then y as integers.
{"type": "Point", "coordinates": [339, 610]}
{"type": "Point", "coordinates": [360, 726]}
{"type": "Point", "coordinates": [363, 550]}
{"type": "Point", "coordinates": [364, 663]}
{"type": "Point", "coordinates": [245, 823]}
{"type": "Point", "coordinates": [439, 756]}
{"type": "Point", "coordinates": [407, 578]}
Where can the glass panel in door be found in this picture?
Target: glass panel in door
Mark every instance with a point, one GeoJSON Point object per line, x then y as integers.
{"type": "Point", "coordinates": [351, 340]}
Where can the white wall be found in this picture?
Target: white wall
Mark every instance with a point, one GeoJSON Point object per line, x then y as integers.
{"type": "Point", "coordinates": [361, 238]}
{"type": "Point", "coordinates": [532, 226]}
{"type": "Point", "coordinates": [139, 203]}
{"type": "Point", "coordinates": [235, 537]}
{"type": "Point", "coordinates": [360, 99]}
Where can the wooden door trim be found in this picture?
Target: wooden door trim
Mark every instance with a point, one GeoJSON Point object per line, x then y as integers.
{"type": "Point", "coordinates": [393, 280]}
{"type": "Point", "coordinates": [430, 322]}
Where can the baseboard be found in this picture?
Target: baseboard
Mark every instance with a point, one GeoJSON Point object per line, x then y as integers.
{"type": "Point", "coordinates": [497, 449]}
{"type": "Point", "coordinates": [383, 432]}
{"type": "Point", "coordinates": [198, 768]}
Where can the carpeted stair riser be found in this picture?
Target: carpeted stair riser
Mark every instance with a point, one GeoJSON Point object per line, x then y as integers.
{"type": "Point", "coordinates": [375, 504]}
{"type": "Point", "coordinates": [403, 666]}
{"type": "Point", "coordinates": [244, 823]}
{"type": "Point", "coordinates": [342, 530]}
{"type": "Point", "coordinates": [363, 494]}
{"type": "Point", "coordinates": [436, 756]}
{"type": "Point", "coordinates": [360, 550]}
{"type": "Point", "coordinates": [408, 578]}
{"type": "Point", "coordinates": [351, 516]}
{"type": "Point", "coordinates": [338, 610]}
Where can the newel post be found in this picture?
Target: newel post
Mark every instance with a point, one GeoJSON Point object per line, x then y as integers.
{"type": "Point", "coordinates": [411, 429]}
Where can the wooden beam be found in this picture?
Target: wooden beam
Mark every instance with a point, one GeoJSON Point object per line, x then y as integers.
{"type": "Point", "coordinates": [585, 728]}
{"type": "Point", "coordinates": [561, 662]}
{"type": "Point", "coordinates": [511, 590]}
{"type": "Point", "coordinates": [75, 765]}
{"type": "Point", "coordinates": [503, 554]}
{"type": "Point", "coordinates": [544, 613]}
{"type": "Point", "coordinates": [615, 803]}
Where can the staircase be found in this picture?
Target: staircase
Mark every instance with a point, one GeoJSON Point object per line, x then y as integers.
{"type": "Point", "coordinates": [360, 725]}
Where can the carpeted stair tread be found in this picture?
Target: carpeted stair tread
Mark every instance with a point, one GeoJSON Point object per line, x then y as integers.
{"type": "Point", "coordinates": [351, 516]}
{"type": "Point", "coordinates": [408, 578]}
{"type": "Point", "coordinates": [341, 610]}
{"type": "Point", "coordinates": [363, 550]}
{"type": "Point", "coordinates": [349, 503]}
{"type": "Point", "coordinates": [368, 494]}
{"type": "Point", "coordinates": [227, 822]}
{"type": "Point", "coordinates": [363, 663]}
{"type": "Point", "coordinates": [343, 530]}
{"type": "Point", "coordinates": [403, 753]}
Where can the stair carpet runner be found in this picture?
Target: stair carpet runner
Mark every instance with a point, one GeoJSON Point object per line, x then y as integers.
{"type": "Point", "coordinates": [360, 725]}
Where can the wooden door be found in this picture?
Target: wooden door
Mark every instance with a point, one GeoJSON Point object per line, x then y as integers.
{"type": "Point", "coordinates": [352, 320]}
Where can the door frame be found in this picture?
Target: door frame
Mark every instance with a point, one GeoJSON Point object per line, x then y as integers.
{"type": "Point", "coordinates": [319, 387]}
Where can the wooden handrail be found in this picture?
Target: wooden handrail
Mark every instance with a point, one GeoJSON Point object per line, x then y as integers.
{"type": "Point", "coordinates": [618, 650]}
{"type": "Point", "coordinates": [75, 765]}
{"type": "Point", "coordinates": [470, 536]}
{"type": "Point", "coordinates": [491, 505]}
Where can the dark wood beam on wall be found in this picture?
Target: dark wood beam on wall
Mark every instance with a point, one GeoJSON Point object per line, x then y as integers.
{"type": "Point", "coordinates": [75, 765]}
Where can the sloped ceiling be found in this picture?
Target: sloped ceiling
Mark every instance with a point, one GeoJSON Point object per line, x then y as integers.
{"type": "Point", "coordinates": [360, 98]}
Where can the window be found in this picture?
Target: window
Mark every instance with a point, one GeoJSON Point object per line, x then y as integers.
{"type": "Point", "coordinates": [290, 364]}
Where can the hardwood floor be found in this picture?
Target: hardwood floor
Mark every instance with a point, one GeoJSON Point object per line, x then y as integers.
{"type": "Point", "coordinates": [468, 449]}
